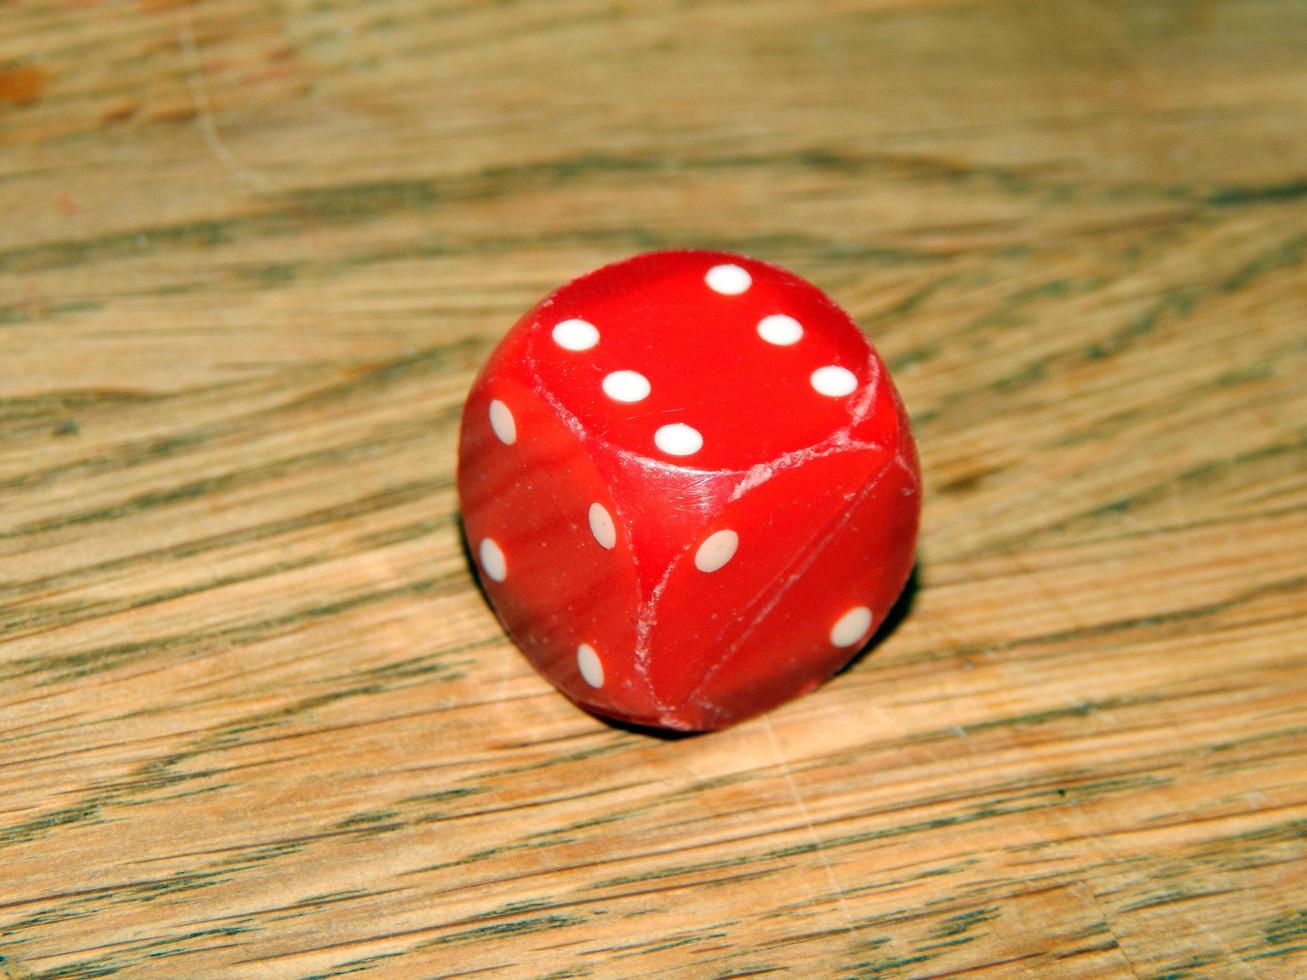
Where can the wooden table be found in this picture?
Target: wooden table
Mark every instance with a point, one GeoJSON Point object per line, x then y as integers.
{"type": "Point", "coordinates": [255, 719]}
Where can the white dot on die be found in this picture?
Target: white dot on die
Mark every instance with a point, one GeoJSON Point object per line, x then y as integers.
{"type": "Point", "coordinates": [851, 627]}
{"type": "Point", "coordinates": [780, 329]}
{"type": "Point", "coordinates": [678, 439]}
{"type": "Point", "coordinates": [626, 386]}
{"type": "Point", "coordinates": [730, 280]}
{"type": "Point", "coordinates": [502, 421]}
{"type": "Point", "coordinates": [601, 526]}
{"type": "Point", "coordinates": [833, 381]}
{"type": "Point", "coordinates": [591, 667]}
{"type": "Point", "coordinates": [492, 560]}
{"type": "Point", "coordinates": [717, 549]}
{"type": "Point", "coordinates": [576, 334]}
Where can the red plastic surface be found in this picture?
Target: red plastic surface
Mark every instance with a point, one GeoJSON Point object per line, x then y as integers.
{"type": "Point", "coordinates": [800, 457]}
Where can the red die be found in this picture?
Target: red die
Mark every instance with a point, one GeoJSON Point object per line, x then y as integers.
{"type": "Point", "coordinates": [690, 487]}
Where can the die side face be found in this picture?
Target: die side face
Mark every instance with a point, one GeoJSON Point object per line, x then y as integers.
{"type": "Point", "coordinates": [798, 568]}
{"type": "Point", "coordinates": [546, 536]}
{"type": "Point", "coordinates": [705, 488]}
{"type": "Point", "coordinates": [847, 577]}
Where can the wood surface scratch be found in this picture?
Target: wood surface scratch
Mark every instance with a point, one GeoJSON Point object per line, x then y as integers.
{"type": "Point", "coordinates": [255, 719]}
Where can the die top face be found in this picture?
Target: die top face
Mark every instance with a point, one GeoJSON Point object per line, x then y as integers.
{"type": "Point", "coordinates": [701, 360]}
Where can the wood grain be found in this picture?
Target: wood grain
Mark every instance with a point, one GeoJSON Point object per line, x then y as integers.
{"type": "Point", "coordinates": [255, 720]}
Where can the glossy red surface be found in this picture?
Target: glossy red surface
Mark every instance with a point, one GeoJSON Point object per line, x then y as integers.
{"type": "Point", "coordinates": [805, 455]}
